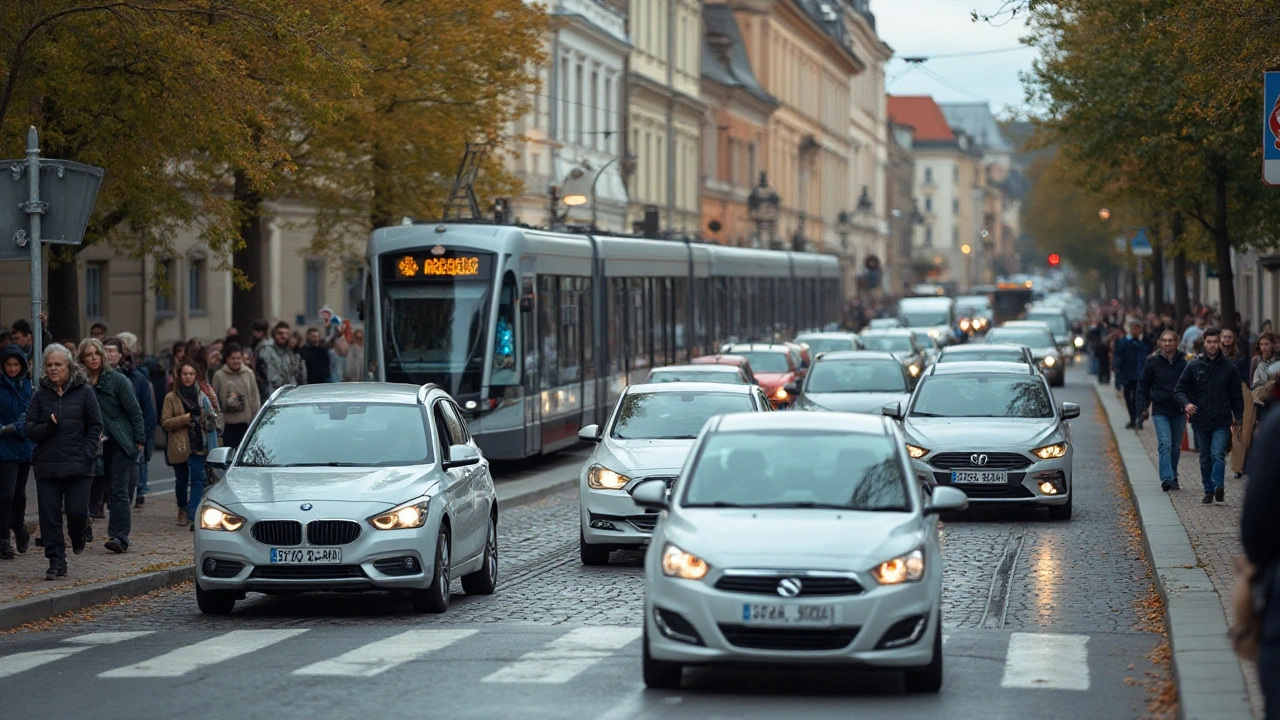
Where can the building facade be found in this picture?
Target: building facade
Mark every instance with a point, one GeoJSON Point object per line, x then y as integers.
{"type": "Point", "coordinates": [998, 207]}
{"type": "Point", "coordinates": [904, 214]}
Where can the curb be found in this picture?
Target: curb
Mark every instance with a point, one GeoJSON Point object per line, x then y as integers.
{"type": "Point", "coordinates": [1207, 672]}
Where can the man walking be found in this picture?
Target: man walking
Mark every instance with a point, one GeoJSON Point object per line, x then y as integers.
{"type": "Point", "coordinates": [1160, 374]}
{"type": "Point", "coordinates": [1131, 352]}
{"type": "Point", "coordinates": [316, 357]}
{"type": "Point", "coordinates": [1192, 335]}
{"type": "Point", "coordinates": [282, 366]}
{"type": "Point", "coordinates": [1209, 393]}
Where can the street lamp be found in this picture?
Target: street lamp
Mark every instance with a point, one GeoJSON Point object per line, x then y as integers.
{"type": "Point", "coordinates": [628, 167]}
{"type": "Point", "coordinates": [762, 207]}
{"type": "Point", "coordinates": [1104, 214]}
{"type": "Point", "coordinates": [968, 263]}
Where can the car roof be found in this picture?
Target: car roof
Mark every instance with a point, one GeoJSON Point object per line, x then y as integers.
{"type": "Point", "coordinates": [758, 347]}
{"type": "Point", "coordinates": [848, 422]}
{"type": "Point", "coordinates": [704, 367]}
{"type": "Point", "coordinates": [984, 367]}
{"type": "Point", "coordinates": [981, 348]}
{"type": "Point", "coordinates": [857, 355]}
{"type": "Point", "coordinates": [888, 332]}
{"type": "Point", "coordinates": [708, 387]}
{"type": "Point", "coordinates": [1026, 324]}
{"type": "Point", "coordinates": [402, 393]}
{"type": "Point", "coordinates": [717, 359]}
{"type": "Point", "coordinates": [826, 335]}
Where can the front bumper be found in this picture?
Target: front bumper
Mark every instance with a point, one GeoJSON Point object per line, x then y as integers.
{"type": "Point", "coordinates": [718, 615]}
{"type": "Point", "coordinates": [612, 518]}
{"type": "Point", "coordinates": [1022, 487]}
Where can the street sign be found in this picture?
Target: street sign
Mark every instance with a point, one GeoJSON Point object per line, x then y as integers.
{"type": "Point", "coordinates": [67, 189]}
{"type": "Point", "coordinates": [1271, 128]}
{"type": "Point", "coordinates": [1140, 245]}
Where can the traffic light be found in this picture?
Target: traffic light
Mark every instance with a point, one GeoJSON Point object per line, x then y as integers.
{"type": "Point", "coordinates": [1054, 259]}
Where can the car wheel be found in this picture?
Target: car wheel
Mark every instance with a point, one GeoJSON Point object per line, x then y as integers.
{"type": "Point", "coordinates": [592, 554]}
{"type": "Point", "coordinates": [928, 679]}
{"type": "Point", "coordinates": [660, 675]}
{"type": "Point", "coordinates": [435, 599]}
{"type": "Point", "coordinates": [1061, 512]}
{"type": "Point", "coordinates": [485, 580]}
{"type": "Point", "coordinates": [215, 602]}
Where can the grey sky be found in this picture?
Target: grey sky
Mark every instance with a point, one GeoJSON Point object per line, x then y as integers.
{"type": "Point", "coordinates": [943, 27]}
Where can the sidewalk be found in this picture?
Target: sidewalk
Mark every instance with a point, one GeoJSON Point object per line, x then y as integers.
{"type": "Point", "coordinates": [1191, 546]}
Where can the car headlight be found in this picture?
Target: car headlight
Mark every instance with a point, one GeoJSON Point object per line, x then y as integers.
{"type": "Point", "coordinates": [905, 568]}
{"type": "Point", "coordinates": [965, 325]}
{"type": "Point", "coordinates": [914, 369]}
{"type": "Point", "coordinates": [916, 452]}
{"type": "Point", "coordinates": [1050, 452]}
{"type": "Point", "coordinates": [600, 477]}
{"type": "Point", "coordinates": [412, 514]}
{"type": "Point", "coordinates": [1050, 361]}
{"type": "Point", "coordinates": [780, 394]}
{"type": "Point", "coordinates": [213, 517]}
{"type": "Point", "coordinates": [1078, 342]}
{"type": "Point", "coordinates": [680, 564]}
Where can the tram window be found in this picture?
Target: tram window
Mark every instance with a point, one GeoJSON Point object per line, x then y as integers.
{"type": "Point", "coordinates": [660, 330]}
{"type": "Point", "coordinates": [506, 360]}
{"type": "Point", "coordinates": [585, 298]}
{"type": "Point", "coordinates": [703, 315]}
{"type": "Point", "coordinates": [548, 326]}
{"type": "Point", "coordinates": [616, 319]}
{"type": "Point", "coordinates": [638, 342]}
{"type": "Point", "coordinates": [680, 311]}
{"type": "Point", "coordinates": [569, 340]}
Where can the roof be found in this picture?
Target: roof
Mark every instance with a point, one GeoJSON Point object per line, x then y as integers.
{"type": "Point", "coordinates": [886, 332]}
{"type": "Point", "coordinates": [923, 115]}
{"type": "Point", "coordinates": [856, 355]}
{"type": "Point", "coordinates": [352, 392]}
{"type": "Point", "coordinates": [735, 348]}
{"type": "Point", "coordinates": [735, 69]}
{"type": "Point", "coordinates": [982, 367]}
{"type": "Point", "coordinates": [707, 387]}
{"type": "Point", "coordinates": [980, 348]}
{"type": "Point", "coordinates": [808, 421]}
{"type": "Point", "coordinates": [833, 335]}
{"type": "Point", "coordinates": [702, 368]}
{"type": "Point", "coordinates": [976, 121]}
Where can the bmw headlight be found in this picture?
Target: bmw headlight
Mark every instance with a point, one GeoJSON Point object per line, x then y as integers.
{"type": "Point", "coordinates": [412, 514]}
{"type": "Point", "coordinates": [1051, 452]}
{"type": "Point", "coordinates": [916, 452]}
{"type": "Point", "coordinates": [213, 517]}
{"type": "Point", "coordinates": [680, 564]}
{"type": "Point", "coordinates": [905, 568]}
{"type": "Point", "coordinates": [1050, 361]}
{"type": "Point", "coordinates": [600, 477]}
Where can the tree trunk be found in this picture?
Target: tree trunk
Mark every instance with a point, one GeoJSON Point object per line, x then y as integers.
{"type": "Point", "coordinates": [1222, 253]}
{"type": "Point", "coordinates": [380, 207]}
{"type": "Point", "coordinates": [1157, 277]}
{"type": "Point", "coordinates": [1181, 300]}
{"type": "Point", "coordinates": [62, 297]}
{"type": "Point", "coordinates": [248, 305]}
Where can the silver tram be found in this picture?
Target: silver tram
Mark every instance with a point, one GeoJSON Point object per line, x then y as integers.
{"type": "Point", "coordinates": [536, 333]}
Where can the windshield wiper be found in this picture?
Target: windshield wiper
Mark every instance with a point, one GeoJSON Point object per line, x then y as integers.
{"type": "Point", "coordinates": [920, 413]}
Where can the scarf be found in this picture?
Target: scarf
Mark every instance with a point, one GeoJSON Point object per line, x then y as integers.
{"type": "Point", "coordinates": [190, 397]}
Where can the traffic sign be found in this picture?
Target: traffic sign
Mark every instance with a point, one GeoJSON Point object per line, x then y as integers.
{"type": "Point", "coordinates": [1140, 245]}
{"type": "Point", "coordinates": [1271, 128]}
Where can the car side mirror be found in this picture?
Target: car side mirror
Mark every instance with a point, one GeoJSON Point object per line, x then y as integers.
{"type": "Point", "coordinates": [893, 410]}
{"type": "Point", "coordinates": [1070, 410]}
{"type": "Point", "coordinates": [651, 494]}
{"type": "Point", "coordinates": [461, 456]}
{"type": "Point", "coordinates": [590, 433]}
{"type": "Point", "coordinates": [946, 499]}
{"type": "Point", "coordinates": [220, 458]}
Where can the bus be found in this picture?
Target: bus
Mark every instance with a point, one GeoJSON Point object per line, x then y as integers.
{"type": "Point", "coordinates": [536, 333]}
{"type": "Point", "coordinates": [1010, 301]}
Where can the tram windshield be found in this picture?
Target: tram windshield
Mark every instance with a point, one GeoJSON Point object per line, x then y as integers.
{"type": "Point", "coordinates": [436, 333]}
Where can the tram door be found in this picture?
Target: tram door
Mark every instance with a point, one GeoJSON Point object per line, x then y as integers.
{"type": "Point", "coordinates": [529, 334]}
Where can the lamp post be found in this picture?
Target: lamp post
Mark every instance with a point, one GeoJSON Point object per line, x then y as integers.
{"type": "Point", "coordinates": [968, 264]}
{"type": "Point", "coordinates": [628, 166]}
{"type": "Point", "coordinates": [762, 207]}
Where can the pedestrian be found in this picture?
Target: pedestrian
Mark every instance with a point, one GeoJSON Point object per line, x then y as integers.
{"type": "Point", "coordinates": [237, 392]}
{"type": "Point", "coordinates": [191, 423]}
{"type": "Point", "coordinates": [282, 365]}
{"type": "Point", "coordinates": [64, 422]}
{"type": "Point", "coordinates": [353, 369]}
{"type": "Point", "coordinates": [125, 437]}
{"type": "Point", "coordinates": [1260, 536]}
{"type": "Point", "coordinates": [1209, 393]}
{"type": "Point", "coordinates": [15, 451]}
{"type": "Point", "coordinates": [25, 339]}
{"type": "Point", "coordinates": [316, 357]}
{"type": "Point", "coordinates": [98, 331]}
{"type": "Point", "coordinates": [120, 353]}
{"type": "Point", "coordinates": [1262, 382]}
{"type": "Point", "coordinates": [1130, 352]}
{"type": "Point", "coordinates": [1155, 399]}
{"type": "Point", "coordinates": [177, 353]}
{"type": "Point", "coordinates": [259, 330]}
{"type": "Point", "coordinates": [1239, 438]}
{"type": "Point", "coordinates": [1192, 335]}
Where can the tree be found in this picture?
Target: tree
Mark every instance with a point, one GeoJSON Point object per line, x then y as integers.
{"type": "Point", "coordinates": [1063, 218]}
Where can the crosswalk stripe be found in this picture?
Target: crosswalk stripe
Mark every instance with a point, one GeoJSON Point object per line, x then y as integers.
{"type": "Point", "coordinates": [204, 653]}
{"type": "Point", "coordinates": [565, 657]}
{"type": "Point", "coordinates": [107, 638]}
{"type": "Point", "coordinates": [1051, 662]}
{"type": "Point", "coordinates": [379, 657]}
{"type": "Point", "coordinates": [21, 662]}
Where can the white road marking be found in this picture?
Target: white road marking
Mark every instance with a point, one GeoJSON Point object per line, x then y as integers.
{"type": "Point", "coordinates": [382, 655]}
{"type": "Point", "coordinates": [1052, 662]}
{"type": "Point", "coordinates": [202, 654]}
{"type": "Point", "coordinates": [563, 658]}
{"type": "Point", "coordinates": [945, 638]}
{"type": "Point", "coordinates": [22, 662]}
{"type": "Point", "coordinates": [107, 638]}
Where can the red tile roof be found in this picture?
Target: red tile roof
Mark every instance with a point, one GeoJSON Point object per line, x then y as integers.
{"type": "Point", "coordinates": [922, 114]}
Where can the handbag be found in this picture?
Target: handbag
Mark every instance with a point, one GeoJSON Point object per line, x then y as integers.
{"type": "Point", "coordinates": [1247, 604]}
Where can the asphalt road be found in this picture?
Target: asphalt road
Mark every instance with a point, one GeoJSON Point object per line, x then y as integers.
{"type": "Point", "coordinates": [1041, 619]}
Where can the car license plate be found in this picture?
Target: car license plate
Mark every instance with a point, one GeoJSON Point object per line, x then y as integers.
{"type": "Point", "coordinates": [979, 477]}
{"type": "Point", "coordinates": [776, 614]}
{"type": "Point", "coordinates": [306, 556]}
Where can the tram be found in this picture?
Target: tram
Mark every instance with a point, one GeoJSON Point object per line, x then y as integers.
{"type": "Point", "coordinates": [536, 333]}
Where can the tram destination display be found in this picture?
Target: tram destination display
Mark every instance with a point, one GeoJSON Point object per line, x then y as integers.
{"type": "Point", "coordinates": [437, 264]}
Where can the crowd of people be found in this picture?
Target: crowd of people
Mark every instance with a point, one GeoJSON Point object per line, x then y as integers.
{"type": "Point", "coordinates": [102, 406]}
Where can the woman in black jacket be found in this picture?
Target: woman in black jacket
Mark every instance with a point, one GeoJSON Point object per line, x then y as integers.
{"type": "Point", "coordinates": [64, 422]}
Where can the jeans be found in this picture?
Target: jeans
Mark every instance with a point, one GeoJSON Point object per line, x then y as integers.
{"type": "Point", "coordinates": [118, 469]}
{"type": "Point", "coordinates": [53, 494]}
{"type": "Point", "coordinates": [1213, 452]}
{"type": "Point", "coordinates": [142, 476]}
{"type": "Point", "coordinates": [1131, 400]}
{"type": "Point", "coordinates": [1169, 431]}
{"type": "Point", "coordinates": [189, 484]}
{"type": "Point", "coordinates": [13, 500]}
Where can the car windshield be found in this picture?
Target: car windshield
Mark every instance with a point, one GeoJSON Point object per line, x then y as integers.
{"type": "Point", "coordinates": [1021, 336]}
{"type": "Point", "coordinates": [673, 415]}
{"type": "Point", "coordinates": [923, 338]}
{"type": "Point", "coordinates": [1057, 322]}
{"type": "Point", "coordinates": [785, 469]}
{"type": "Point", "coordinates": [821, 345]}
{"type": "Point", "coordinates": [436, 333]}
{"type": "Point", "coordinates": [986, 395]}
{"type": "Point", "coordinates": [338, 434]}
{"type": "Point", "coordinates": [887, 343]}
{"type": "Point", "coordinates": [666, 376]}
{"type": "Point", "coordinates": [984, 355]}
{"type": "Point", "coordinates": [925, 318]}
{"type": "Point", "coordinates": [851, 376]}
{"type": "Point", "coordinates": [770, 361]}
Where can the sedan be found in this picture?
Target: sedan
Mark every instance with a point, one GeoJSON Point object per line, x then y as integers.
{"type": "Point", "coordinates": [795, 539]}
{"type": "Point", "coordinates": [859, 381]}
{"type": "Point", "coordinates": [992, 430]}
{"type": "Point", "coordinates": [902, 343]}
{"type": "Point", "coordinates": [820, 342]}
{"type": "Point", "coordinates": [775, 365]}
{"type": "Point", "coordinates": [349, 487]}
{"type": "Point", "coordinates": [988, 352]}
{"type": "Point", "coordinates": [648, 435]}
{"type": "Point", "coordinates": [1043, 349]}
{"type": "Point", "coordinates": [726, 374]}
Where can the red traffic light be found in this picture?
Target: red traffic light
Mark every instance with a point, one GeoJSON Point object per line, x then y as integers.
{"type": "Point", "coordinates": [1054, 259]}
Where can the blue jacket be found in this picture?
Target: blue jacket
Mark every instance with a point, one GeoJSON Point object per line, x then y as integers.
{"type": "Point", "coordinates": [1130, 356]}
{"type": "Point", "coordinates": [146, 400]}
{"type": "Point", "coordinates": [15, 395]}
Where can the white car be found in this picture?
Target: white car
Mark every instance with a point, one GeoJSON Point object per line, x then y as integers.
{"type": "Point", "coordinates": [795, 538]}
{"type": "Point", "coordinates": [647, 436]}
{"type": "Point", "coordinates": [349, 486]}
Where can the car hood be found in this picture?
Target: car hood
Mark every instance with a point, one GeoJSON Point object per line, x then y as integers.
{"type": "Point", "coordinates": [855, 402]}
{"type": "Point", "coordinates": [392, 486]}
{"type": "Point", "coordinates": [801, 538]}
{"type": "Point", "coordinates": [641, 457]}
{"type": "Point", "coordinates": [968, 433]}
{"type": "Point", "coordinates": [773, 381]}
